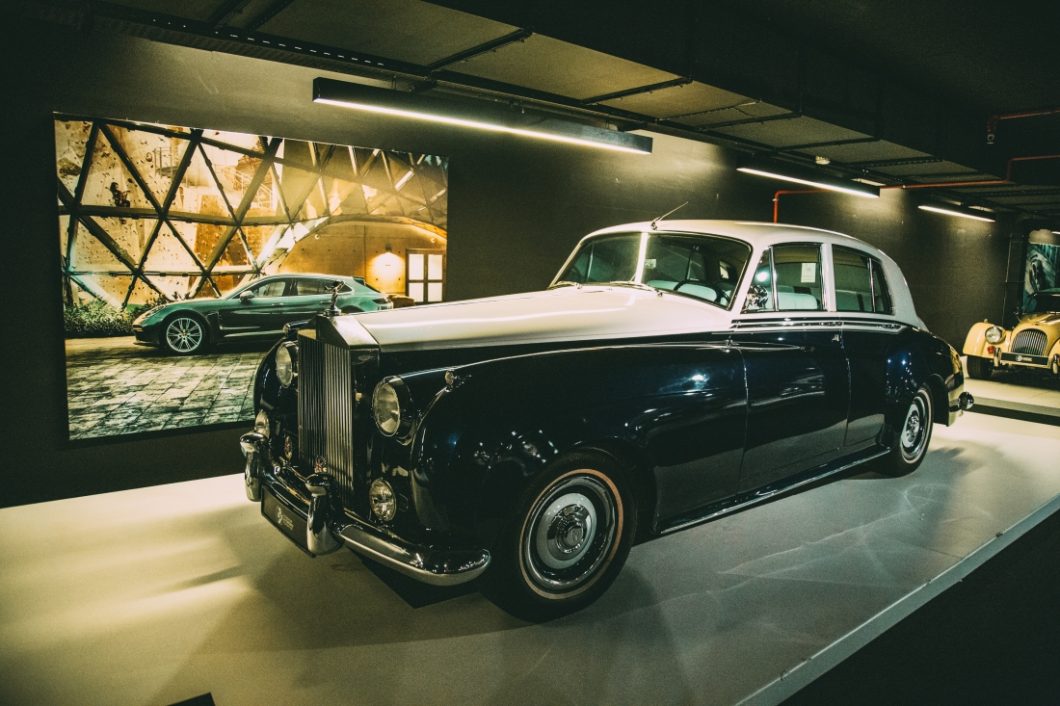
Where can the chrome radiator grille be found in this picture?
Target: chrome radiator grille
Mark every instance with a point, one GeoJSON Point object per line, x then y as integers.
{"type": "Point", "coordinates": [1030, 341]}
{"type": "Point", "coordinates": [326, 399]}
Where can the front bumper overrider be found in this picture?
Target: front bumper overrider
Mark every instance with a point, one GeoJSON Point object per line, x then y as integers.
{"type": "Point", "coordinates": [959, 402]}
{"type": "Point", "coordinates": [329, 528]}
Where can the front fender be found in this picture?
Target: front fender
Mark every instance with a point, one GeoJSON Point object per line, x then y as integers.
{"type": "Point", "coordinates": [501, 423]}
{"type": "Point", "coordinates": [975, 342]}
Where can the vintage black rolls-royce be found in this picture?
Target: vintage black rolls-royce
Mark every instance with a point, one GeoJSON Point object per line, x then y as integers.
{"type": "Point", "coordinates": [674, 372]}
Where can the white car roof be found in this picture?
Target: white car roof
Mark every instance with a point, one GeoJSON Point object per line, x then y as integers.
{"type": "Point", "coordinates": [756, 233]}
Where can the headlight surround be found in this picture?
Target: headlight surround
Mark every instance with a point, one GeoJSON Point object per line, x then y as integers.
{"type": "Point", "coordinates": [995, 334]}
{"type": "Point", "coordinates": [144, 316]}
{"type": "Point", "coordinates": [286, 360]}
{"type": "Point", "coordinates": [392, 407]}
{"type": "Point", "coordinates": [261, 423]}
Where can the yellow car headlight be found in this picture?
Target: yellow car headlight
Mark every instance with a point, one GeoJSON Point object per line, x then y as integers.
{"type": "Point", "coordinates": [995, 334]}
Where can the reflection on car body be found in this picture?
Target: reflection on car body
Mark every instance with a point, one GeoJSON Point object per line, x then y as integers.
{"type": "Point", "coordinates": [673, 373]}
{"type": "Point", "coordinates": [257, 310]}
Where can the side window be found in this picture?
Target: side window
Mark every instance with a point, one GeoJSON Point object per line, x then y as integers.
{"type": "Point", "coordinates": [881, 293]}
{"type": "Point", "coordinates": [853, 279]}
{"type": "Point", "coordinates": [760, 291]}
{"type": "Point", "coordinates": [306, 287]}
{"type": "Point", "coordinates": [272, 288]}
{"type": "Point", "coordinates": [797, 268]}
{"type": "Point", "coordinates": [859, 282]}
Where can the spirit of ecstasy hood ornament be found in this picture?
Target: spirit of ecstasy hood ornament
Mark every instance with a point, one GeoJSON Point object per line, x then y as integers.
{"type": "Point", "coordinates": [333, 309]}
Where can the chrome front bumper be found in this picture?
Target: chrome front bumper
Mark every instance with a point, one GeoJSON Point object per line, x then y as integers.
{"type": "Point", "coordinates": [328, 527]}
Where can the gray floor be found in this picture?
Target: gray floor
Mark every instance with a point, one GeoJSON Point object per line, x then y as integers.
{"type": "Point", "coordinates": [115, 387]}
{"type": "Point", "coordinates": [1028, 393]}
{"type": "Point", "coordinates": [156, 595]}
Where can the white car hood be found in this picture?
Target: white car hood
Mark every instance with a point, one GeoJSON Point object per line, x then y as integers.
{"type": "Point", "coordinates": [572, 313]}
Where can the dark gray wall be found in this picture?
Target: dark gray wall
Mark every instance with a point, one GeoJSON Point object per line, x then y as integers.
{"type": "Point", "coordinates": [516, 208]}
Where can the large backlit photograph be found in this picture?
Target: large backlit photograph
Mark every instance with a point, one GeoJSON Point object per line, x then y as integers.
{"type": "Point", "coordinates": [185, 251]}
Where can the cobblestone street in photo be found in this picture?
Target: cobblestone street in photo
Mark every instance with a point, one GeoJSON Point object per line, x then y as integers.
{"type": "Point", "coordinates": [116, 387]}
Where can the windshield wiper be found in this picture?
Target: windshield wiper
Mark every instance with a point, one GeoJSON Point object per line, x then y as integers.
{"type": "Point", "coordinates": [565, 283]}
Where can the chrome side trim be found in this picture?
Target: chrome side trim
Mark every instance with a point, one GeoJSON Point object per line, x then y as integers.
{"type": "Point", "coordinates": [766, 495]}
{"type": "Point", "coordinates": [823, 323]}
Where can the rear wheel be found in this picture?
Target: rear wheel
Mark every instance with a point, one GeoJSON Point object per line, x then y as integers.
{"type": "Point", "coordinates": [914, 435]}
{"type": "Point", "coordinates": [980, 368]}
{"type": "Point", "coordinates": [567, 541]}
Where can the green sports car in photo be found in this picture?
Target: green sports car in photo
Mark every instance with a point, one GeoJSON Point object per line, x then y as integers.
{"type": "Point", "coordinates": [257, 310]}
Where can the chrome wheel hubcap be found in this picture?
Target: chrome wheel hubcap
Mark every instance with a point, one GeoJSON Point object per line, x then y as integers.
{"type": "Point", "coordinates": [914, 431]}
{"type": "Point", "coordinates": [184, 334]}
{"type": "Point", "coordinates": [565, 530]}
{"type": "Point", "coordinates": [569, 533]}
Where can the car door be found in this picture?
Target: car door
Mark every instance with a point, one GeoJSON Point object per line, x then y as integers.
{"type": "Point", "coordinates": [256, 310]}
{"type": "Point", "coordinates": [797, 376]}
{"type": "Point", "coordinates": [863, 300]}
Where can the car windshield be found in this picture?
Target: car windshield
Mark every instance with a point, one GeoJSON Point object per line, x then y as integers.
{"type": "Point", "coordinates": [705, 267]}
{"type": "Point", "coordinates": [1043, 302]}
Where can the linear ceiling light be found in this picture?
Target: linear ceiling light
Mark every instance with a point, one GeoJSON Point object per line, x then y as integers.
{"type": "Point", "coordinates": [953, 211]}
{"type": "Point", "coordinates": [818, 182]}
{"type": "Point", "coordinates": [445, 112]}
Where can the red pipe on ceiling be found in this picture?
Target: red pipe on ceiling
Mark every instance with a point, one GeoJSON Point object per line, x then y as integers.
{"type": "Point", "coordinates": [935, 185]}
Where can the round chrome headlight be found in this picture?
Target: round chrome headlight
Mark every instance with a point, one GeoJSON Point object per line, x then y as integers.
{"type": "Point", "coordinates": [386, 408]}
{"type": "Point", "coordinates": [392, 407]}
{"type": "Point", "coordinates": [382, 500]}
{"type": "Point", "coordinates": [995, 334]}
{"type": "Point", "coordinates": [286, 363]}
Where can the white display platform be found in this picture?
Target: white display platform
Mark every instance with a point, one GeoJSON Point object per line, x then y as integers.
{"type": "Point", "coordinates": [157, 595]}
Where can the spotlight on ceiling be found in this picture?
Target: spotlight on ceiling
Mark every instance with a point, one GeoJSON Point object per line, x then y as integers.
{"type": "Point", "coordinates": [806, 178]}
{"type": "Point", "coordinates": [462, 114]}
{"type": "Point", "coordinates": [956, 212]}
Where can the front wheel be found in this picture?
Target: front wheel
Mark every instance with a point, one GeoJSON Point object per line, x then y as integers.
{"type": "Point", "coordinates": [568, 539]}
{"type": "Point", "coordinates": [980, 368]}
{"type": "Point", "coordinates": [914, 435]}
{"type": "Point", "coordinates": [184, 334]}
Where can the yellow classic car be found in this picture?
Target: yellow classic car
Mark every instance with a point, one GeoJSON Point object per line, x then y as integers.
{"type": "Point", "coordinates": [1033, 343]}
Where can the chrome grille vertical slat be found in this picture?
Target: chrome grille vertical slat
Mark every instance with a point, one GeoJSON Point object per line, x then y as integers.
{"type": "Point", "coordinates": [326, 411]}
{"type": "Point", "coordinates": [1030, 341]}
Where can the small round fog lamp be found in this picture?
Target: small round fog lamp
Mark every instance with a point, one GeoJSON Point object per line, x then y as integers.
{"type": "Point", "coordinates": [382, 500]}
{"type": "Point", "coordinates": [994, 334]}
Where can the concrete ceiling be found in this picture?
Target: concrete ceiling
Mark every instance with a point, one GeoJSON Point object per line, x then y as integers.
{"type": "Point", "coordinates": [900, 92]}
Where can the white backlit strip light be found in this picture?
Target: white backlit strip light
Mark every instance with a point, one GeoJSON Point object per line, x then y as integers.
{"type": "Point", "coordinates": [806, 182]}
{"type": "Point", "coordinates": [956, 214]}
{"type": "Point", "coordinates": [478, 125]}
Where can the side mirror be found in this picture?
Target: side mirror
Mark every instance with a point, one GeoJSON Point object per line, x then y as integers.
{"type": "Point", "coordinates": [245, 297]}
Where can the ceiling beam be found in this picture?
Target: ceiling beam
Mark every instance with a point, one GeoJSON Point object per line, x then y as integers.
{"type": "Point", "coordinates": [637, 91]}
{"type": "Point", "coordinates": [225, 12]}
{"type": "Point", "coordinates": [270, 11]}
{"type": "Point", "coordinates": [518, 35]}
